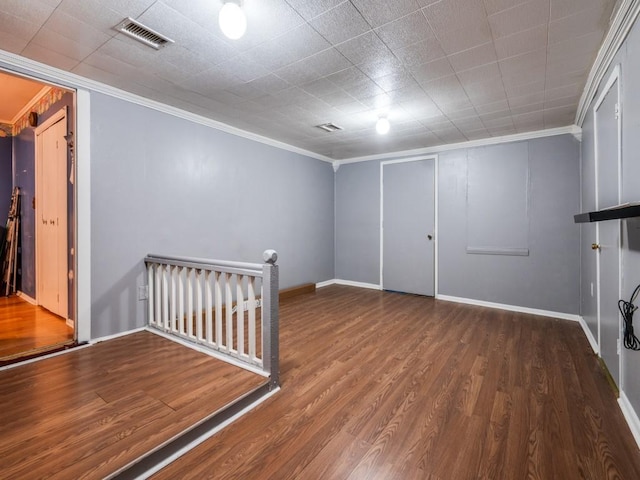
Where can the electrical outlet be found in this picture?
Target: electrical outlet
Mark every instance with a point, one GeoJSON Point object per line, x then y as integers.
{"type": "Point", "coordinates": [143, 292]}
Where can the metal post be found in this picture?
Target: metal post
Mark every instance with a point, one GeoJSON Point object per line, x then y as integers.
{"type": "Point", "coordinates": [270, 317]}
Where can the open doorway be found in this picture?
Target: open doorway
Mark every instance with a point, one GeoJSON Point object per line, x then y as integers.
{"type": "Point", "coordinates": [36, 155]}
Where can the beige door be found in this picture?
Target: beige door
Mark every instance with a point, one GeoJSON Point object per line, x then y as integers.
{"type": "Point", "coordinates": [51, 217]}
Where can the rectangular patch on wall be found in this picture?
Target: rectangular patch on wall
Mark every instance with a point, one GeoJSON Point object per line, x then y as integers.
{"type": "Point", "coordinates": [498, 200]}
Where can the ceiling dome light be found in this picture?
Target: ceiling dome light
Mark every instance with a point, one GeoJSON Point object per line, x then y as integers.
{"type": "Point", "coordinates": [383, 126]}
{"type": "Point", "coordinates": [232, 20]}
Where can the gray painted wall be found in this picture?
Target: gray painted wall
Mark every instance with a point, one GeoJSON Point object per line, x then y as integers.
{"type": "Point", "coordinates": [629, 59]}
{"type": "Point", "coordinates": [545, 279]}
{"type": "Point", "coordinates": [164, 185]}
{"type": "Point", "coordinates": [358, 222]}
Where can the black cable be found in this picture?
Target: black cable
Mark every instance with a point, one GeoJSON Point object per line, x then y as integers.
{"type": "Point", "coordinates": [626, 309]}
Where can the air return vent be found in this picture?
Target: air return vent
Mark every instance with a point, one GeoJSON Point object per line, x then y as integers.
{"type": "Point", "coordinates": [329, 127]}
{"type": "Point", "coordinates": [142, 33]}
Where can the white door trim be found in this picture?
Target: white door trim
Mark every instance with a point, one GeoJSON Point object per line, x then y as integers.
{"type": "Point", "coordinates": [435, 206]}
{"type": "Point", "coordinates": [82, 175]}
{"type": "Point", "coordinates": [60, 115]}
{"type": "Point", "coordinates": [614, 79]}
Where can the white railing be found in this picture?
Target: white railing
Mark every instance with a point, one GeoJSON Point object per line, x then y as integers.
{"type": "Point", "coordinates": [228, 307]}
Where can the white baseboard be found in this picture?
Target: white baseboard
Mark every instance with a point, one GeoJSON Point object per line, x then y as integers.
{"type": "Point", "coordinates": [511, 308]}
{"type": "Point", "coordinates": [589, 335]}
{"type": "Point", "coordinates": [27, 298]}
{"type": "Point", "coordinates": [630, 416]}
{"type": "Point", "coordinates": [117, 335]}
{"type": "Point", "coordinates": [348, 283]}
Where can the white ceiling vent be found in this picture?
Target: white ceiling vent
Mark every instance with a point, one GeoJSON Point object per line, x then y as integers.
{"type": "Point", "coordinates": [142, 33]}
{"type": "Point", "coordinates": [329, 127]}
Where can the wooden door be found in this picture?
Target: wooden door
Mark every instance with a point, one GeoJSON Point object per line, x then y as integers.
{"type": "Point", "coordinates": [51, 217]}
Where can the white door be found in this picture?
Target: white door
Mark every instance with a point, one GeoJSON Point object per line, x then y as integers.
{"type": "Point", "coordinates": [408, 226]}
{"type": "Point", "coordinates": [51, 217]}
{"type": "Point", "coordinates": [607, 150]}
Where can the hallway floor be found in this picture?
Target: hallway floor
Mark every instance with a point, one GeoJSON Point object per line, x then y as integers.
{"type": "Point", "coordinates": [26, 329]}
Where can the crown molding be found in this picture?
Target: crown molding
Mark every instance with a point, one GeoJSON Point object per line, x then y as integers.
{"type": "Point", "coordinates": [43, 91]}
{"type": "Point", "coordinates": [571, 129]}
{"type": "Point", "coordinates": [30, 68]}
{"type": "Point", "coordinates": [622, 23]}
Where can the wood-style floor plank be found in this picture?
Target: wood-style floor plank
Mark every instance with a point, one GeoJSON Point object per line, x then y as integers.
{"type": "Point", "coordinates": [25, 327]}
{"type": "Point", "coordinates": [384, 385]}
{"type": "Point", "coordinates": [90, 411]}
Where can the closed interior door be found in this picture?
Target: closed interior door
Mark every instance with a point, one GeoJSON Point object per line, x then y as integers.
{"type": "Point", "coordinates": [51, 214]}
{"type": "Point", "coordinates": [608, 232]}
{"type": "Point", "coordinates": [408, 226]}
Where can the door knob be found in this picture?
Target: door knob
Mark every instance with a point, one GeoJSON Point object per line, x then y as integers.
{"type": "Point", "coordinates": [595, 246]}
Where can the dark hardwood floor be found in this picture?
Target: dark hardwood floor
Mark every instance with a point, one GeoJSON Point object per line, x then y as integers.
{"type": "Point", "coordinates": [388, 386]}
{"type": "Point", "coordinates": [91, 411]}
{"type": "Point", "coordinates": [25, 328]}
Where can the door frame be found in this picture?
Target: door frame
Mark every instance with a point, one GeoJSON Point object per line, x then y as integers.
{"type": "Point", "coordinates": [60, 115]}
{"type": "Point", "coordinates": [613, 80]}
{"type": "Point", "coordinates": [435, 214]}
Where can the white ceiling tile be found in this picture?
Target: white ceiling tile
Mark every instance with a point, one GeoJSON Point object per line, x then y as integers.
{"type": "Point", "coordinates": [302, 42]}
{"type": "Point", "coordinates": [519, 18]}
{"type": "Point", "coordinates": [456, 14]}
{"type": "Point", "coordinates": [340, 23]}
{"type": "Point", "coordinates": [533, 107]}
{"type": "Point", "coordinates": [348, 78]}
{"type": "Point", "coordinates": [405, 31]}
{"type": "Point", "coordinates": [283, 76]}
{"type": "Point", "coordinates": [537, 97]}
{"type": "Point", "coordinates": [185, 32]}
{"type": "Point", "coordinates": [310, 10]}
{"type": "Point", "coordinates": [528, 120]}
{"type": "Point", "coordinates": [488, 108]}
{"type": "Point", "coordinates": [494, 6]}
{"type": "Point", "coordinates": [397, 81]}
{"type": "Point", "coordinates": [77, 30]}
{"type": "Point", "coordinates": [432, 70]}
{"type": "Point", "coordinates": [17, 27]}
{"type": "Point", "coordinates": [489, 72]}
{"type": "Point", "coordinates": [525, 88]}
{"type": "Point", "coordinates": [61, 44]}
{"type": "Point", "coordinates": [381, 67]}
{"type": "Point", "coordinates": [379, 12]}
{"type": "Point", "coordinates": [93, 13]}
{"type": "Point", "coordinates": [446, 91]}
{"type": "Point", "coordinates": [50, 57]}
{"type": "Point", "coordinates": [522, 42]}
{"type": "Point", "coordinates": [366, 47]}
{"type": "Point", "coordinates": [474, 57]}
{"type": "Point", "coordinates": [210, 81]}
{"type": "Point", "coordinates": [337, 98]}
{"type": "Point", "coordinates": [421, 52]}
{"type": "Point", "coordinates": [31, 12]}
{"type": "Point", "coordinates": [570, 101]}
{"type": "Point", "coordinates": [457, 40]}
{"type": "Point", "coordinates": [243, 68]}
{"type": "Point", "coordinates": [564, 8]}
{"type": "Point", "coordinates": [364, 89]}
{"type": "Point", "coordinates": [12, 43]}
{"type": "Point", "coordinates": [319, 87]}
{"type": "Point", "coordinates": [581, 23]}
{"type": "Point", "coordinates": [270, 83]}
{"type": "Point", "coordinates": [565, 91]}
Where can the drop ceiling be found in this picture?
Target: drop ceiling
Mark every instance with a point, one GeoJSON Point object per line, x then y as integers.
{"type": "Point", "coordinates": [443, 71]}
{"type": "Point", "coordinates": [15, 94]}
